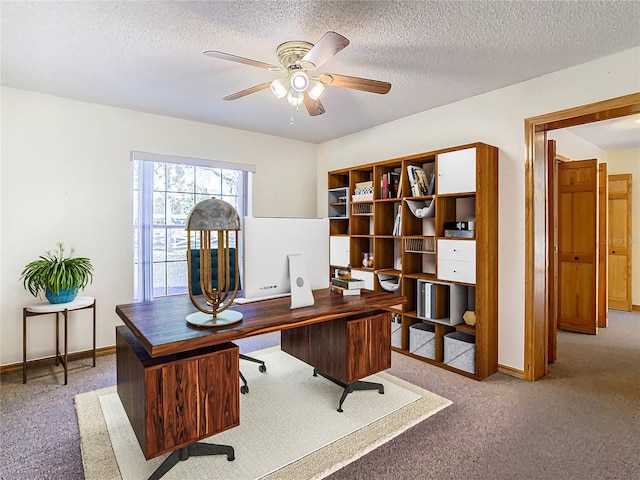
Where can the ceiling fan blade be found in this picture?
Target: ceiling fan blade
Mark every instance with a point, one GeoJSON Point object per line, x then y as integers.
{"type": "Point", "coordinates": [356, 83]}
{"type": "Point", "coordinates": [246, 61]}
{"type": "Point", "coordinates": [314, 107]}
{"type": "Point", "coordinates": [248, 91]}
{"type": "Point", "coordinates": [329, 44]}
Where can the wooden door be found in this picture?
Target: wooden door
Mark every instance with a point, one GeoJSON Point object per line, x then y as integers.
{"type": "Point", "coordinates": [618, 241]}
{"type": "Point", "coordinates": [577, 246]}
{"type": "Point", "coordinates": [603, 207]}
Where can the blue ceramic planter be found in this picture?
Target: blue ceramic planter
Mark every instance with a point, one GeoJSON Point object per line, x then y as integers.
{"type": "Point", "coordinates": [65, 296]}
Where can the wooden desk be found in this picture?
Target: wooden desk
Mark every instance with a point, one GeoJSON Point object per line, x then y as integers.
{"type": "Point", "coordinates": [161, 328]}
{"type": "Point", "coordinates": [344, 338]}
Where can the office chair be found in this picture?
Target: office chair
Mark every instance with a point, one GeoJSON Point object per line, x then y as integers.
{"type": "Point", "coordinates": [195, 290]}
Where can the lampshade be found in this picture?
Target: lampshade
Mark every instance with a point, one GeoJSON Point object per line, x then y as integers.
{"type": "Point", "coordinates": [299, 81]}
{"type": "Point", "coordinates": [216, 216]}
{"type": "Point", "coordinates": [315, 89]}
{"type": "Point", "coordinates": [298, 84]}
{"type": "Point", "coordinates": [295, 98]}
{"type": "Point", "coordinates": [279, 87]}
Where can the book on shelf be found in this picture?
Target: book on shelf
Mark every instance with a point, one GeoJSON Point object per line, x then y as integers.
{"type": "Point", "coordinates": [362, 197]}
{"type": "Point", "coordinates": [412, 180]}
{"type": "Point", "coordinates": [389, 185]}
{"type": "Point", "coordinates": [432, 301]}
{"type": "Point", "coordinates": [460, 233]}
{"type": "Point", "coordinates": [423, 182]}
{"type": "Point", "coordinates": [366, 184]}
{"type": "Point", "coordinates": [417, 181]}
{"type": "Point", "coordinates": [397, 224]}
{"type": "Point", "coordinates": [394, 180]}
{"type": "Point", "coordinates": [348, 283]}
{"type": "Point", "coordinates": [384, 186]}
{"type": "Point", "coordinates": [429, 171]}
{"type": "Point", "coordinates": [345, 291]}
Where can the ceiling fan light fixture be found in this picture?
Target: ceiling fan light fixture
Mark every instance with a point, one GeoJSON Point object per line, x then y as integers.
{"type": "Point", "coordinates": [299, 81]}
{"type": "Point", "coordinates": [279, 87]}
{"type": "Point", "coordinates": [294, 98]}
{"type": "Point", "coordinates": [315, 90]}
{"type": "Point", "coordinates": [299, 87]}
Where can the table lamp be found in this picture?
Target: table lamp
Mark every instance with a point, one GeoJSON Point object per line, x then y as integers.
{"type": "Point", "coordinates": [217, 217]}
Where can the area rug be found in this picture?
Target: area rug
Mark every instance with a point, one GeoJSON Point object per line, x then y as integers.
{"type": "Point", "coordinates": [289, 427]}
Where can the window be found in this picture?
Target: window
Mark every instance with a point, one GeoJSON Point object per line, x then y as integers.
{"type": "Point", "coordinates": [165, 188]}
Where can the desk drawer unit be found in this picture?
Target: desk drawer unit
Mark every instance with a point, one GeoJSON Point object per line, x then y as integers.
{"type": "Point", "coordinates": [175, 400]}
{"type": "Point", "coordinates": [457, 260]}
{"type": "Point", "coordinates": [345, 349]}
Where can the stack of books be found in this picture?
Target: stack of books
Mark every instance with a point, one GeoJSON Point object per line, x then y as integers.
{"type": "Point", "coordinates": [347, 286]}
{"type": "Point", "coordinates": [363, 192]}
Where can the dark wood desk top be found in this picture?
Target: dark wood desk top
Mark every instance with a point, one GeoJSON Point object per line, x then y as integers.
{"type": "Point", "coordinates": [161, 328]}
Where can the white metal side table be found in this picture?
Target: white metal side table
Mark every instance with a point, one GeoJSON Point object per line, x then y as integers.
{"type": "Point", "coordinates": [44, 308]}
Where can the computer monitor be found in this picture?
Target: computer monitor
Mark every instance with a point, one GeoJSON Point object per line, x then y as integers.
{"type": "Point", "coordinates": [268, 243]}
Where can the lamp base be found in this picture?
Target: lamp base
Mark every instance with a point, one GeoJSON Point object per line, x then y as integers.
{"type": "Point", "coordinates": [201, 319]}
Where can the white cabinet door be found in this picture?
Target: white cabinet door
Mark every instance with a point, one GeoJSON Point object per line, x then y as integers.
{"type": "Point", "coordinates": [457, 171]}
{"type": "Point", "coordinates": [339, 251]}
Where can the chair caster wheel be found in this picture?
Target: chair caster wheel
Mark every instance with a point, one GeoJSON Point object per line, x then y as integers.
{"type": "Point", "coordinates": [262, 368]}
{"type": "Point", "coordinates": [244, 389]}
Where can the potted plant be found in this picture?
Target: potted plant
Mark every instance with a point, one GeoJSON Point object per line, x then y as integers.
{"type": "Point", "coordinates": [59, 276]}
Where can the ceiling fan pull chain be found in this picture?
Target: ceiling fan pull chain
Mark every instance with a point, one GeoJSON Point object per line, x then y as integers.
{"type": "Point", "coordinates": [291, 116]}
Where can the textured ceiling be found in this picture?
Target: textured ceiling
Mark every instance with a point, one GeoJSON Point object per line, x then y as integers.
{"type": "Point", "coordinates": [147, 56]}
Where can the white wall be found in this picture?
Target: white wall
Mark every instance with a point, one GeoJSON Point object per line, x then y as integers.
{"type": "Point", "coordinates": [575, 147]}
{"type": "Point", "coordinates": [628, 161]}
{"type": "Point", "coordinates": [496, 118]}
{"type": "Point", "coordinates": [66, 176]}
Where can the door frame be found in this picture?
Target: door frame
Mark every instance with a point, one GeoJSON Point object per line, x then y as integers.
{"type": "Point", "coordinates": [603, 253]}
{"type": "Point", "coordinates": [536, 315]}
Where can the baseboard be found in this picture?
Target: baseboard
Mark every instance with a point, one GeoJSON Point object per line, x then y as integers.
{"type": "Point", "coordinates": [43, 362]}
{"type": "Point", "coordinates": [514, 372]}
{"type": "Point", "coordinates": [46, 362]}
{"type": "Point", "coordinates": [635, 308]}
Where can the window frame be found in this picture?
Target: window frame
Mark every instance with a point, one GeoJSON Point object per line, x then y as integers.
{"type": "Point", "coordinates": [145, 193]}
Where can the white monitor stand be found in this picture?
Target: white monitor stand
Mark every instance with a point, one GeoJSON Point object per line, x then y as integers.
{"type": "Point", "coordinates": [301, 295]}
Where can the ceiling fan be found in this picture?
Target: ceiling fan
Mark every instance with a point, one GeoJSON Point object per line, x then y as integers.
{"type": "Point", "coordinates": [297, 58]}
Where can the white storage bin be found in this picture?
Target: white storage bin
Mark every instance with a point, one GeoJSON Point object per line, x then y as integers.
{"type": "Point", "coordinates": [396, 334]}
{"type": "Point", "coordinates": [422, 340]}
{"type": "Point", "coordinates": [460, 351]}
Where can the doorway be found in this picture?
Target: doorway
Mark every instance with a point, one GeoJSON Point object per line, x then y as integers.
{"type": "Point", "coordinates": [537, 243]}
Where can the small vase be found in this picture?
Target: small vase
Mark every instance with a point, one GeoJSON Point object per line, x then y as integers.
{"type": "Point", "coordinates": [365, 260]}
{"type": "Point", "coordinates": [65, 295]}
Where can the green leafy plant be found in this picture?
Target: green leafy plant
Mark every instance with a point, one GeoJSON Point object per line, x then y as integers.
{"type": "Point", "coordinates": [55, 271]}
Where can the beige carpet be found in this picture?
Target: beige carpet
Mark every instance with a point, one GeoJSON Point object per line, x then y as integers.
{"type": "Point", "coordinates": [289, 427]}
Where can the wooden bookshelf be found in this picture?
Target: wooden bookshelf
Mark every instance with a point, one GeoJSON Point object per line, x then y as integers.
{"type": "Point", "coordinates": [463, 187]}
